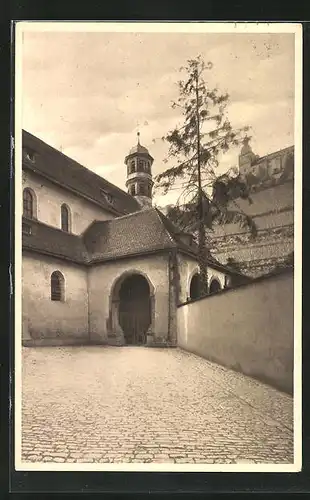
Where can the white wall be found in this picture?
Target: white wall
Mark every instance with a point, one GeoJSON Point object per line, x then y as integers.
{"type": "Point", "coordinates": [102, 278]}
{"type": "Point", "coordinates": [187, 268]}
{"type": "Point", "coordinates": [50, 197]}
{"type": "Point", "coordinates": [53, 321]}
{"type": "Point", "coordinates": [249, 328]}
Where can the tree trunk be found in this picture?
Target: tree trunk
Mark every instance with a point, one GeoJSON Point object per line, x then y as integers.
{"type": "Point", "coordinates": [202, 259]}
{"type": "Point", "coordinates": [202, 255]}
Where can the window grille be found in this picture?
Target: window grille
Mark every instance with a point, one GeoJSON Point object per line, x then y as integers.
{"type": "Point", "coordinates": [65, 218]}
{"type": "Point", "coordinates": [28, 203]}
{"type": "Point", "coordinates": [57, 286]}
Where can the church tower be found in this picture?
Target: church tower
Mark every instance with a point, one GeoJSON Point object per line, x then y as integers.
{"type": "Point", "coordinates": [139, 174]}
{"type": "Point", "coordinates": [246, 157]}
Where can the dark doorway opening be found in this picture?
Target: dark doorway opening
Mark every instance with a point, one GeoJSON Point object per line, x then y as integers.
{"type": "Point", "coordinates": [135, 309]}
{"type": "Point", "coordinates": [194, 291]}
{"type": "Point", "coordinates": [215, 286]}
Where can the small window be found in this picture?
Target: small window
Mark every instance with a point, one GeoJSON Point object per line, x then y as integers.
{"type": "Point", "coordinates": [26, 228]}
{"type": "Point", "coordinates": [141, 165]}
{"type": "Point", "coordinates": [57, 287]}
{"type": "Point", "coordinates": [65, 218]}
{"type": "Point", "coordinates": [29, 154]}
{"type": "Point", "coordinates": [108, 197]}
{"type": "Point", "coordinates": [28, 203]}
{"type": "Point", "coordinates": [133, 190]}
{"type": "Point", "coordinates": [142, 189]}
{"type": "Point", "coordinates": [132, 167]}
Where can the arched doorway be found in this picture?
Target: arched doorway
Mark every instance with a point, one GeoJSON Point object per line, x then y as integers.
{"type": "Point", "coordinates": [134, 313]}
{"type": "Point", "coordinates": [215, 286]}
{"type": "Point", "coordinates": [194, 289]}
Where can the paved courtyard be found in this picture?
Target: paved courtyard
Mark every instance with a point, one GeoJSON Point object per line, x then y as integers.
{"type": "Point", "coordinates": [136, 404]}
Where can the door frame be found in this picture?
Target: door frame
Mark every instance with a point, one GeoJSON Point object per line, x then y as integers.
{"type": "Point", "coordinates": [114, 329]}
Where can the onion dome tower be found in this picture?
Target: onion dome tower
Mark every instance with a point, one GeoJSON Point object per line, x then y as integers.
{"type": "Point", "coordinates": [139, 174]}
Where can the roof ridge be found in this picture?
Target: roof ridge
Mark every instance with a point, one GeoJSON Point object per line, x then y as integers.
{"type": "Point", "coordinates": [76, 163]}
{"type": "Point", "coordinates": [138, 212]}
{"type": "Point", "coordinates": [273, 153]}
{"type": "Point", "coordinates": [159, 214]}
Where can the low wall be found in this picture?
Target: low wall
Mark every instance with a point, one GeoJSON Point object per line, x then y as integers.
{"type": "Point", "coordinates": [249, 329]}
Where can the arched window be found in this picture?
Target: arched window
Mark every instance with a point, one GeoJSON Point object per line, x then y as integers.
{"type": "Point", "coordinates": [194, 290]}
{"type": "Point", "coordinates": [142, 189]}
{"type": "Point", "coordinates": [132, 166]}
{"type": "Point", "coordinates": [65, 218]}
{"type": "Point", "coordinates": [57, 286]}
{"type": "Point", "coordinates": [141, 164]}
{"type": "Point", "coordinates": [215, 286]}
{"type": "Point", "coordinates": [29, 205]}
{"type": "Point", "coordinates": [133, 190]}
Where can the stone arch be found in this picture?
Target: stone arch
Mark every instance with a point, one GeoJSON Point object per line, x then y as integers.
{"type": "Point", "coordinates": [194, 288]}
{"type": "Point", "coordinates": [114, 327]}
{"type": "Point", "coordinates": [189, 280]}
{"type": "Point", "coordinates": [215, 285]}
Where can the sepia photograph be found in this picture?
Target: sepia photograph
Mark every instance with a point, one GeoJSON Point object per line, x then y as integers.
{"type": "Point", "coordinates": [158, 195]}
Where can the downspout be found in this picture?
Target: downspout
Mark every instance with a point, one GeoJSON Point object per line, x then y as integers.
{"type": "Point", "coordinates": [173, 288]}
{"type": "Point", "coordinates": [169, 295]}
{"type": "Point", "coordinates": [88, 305]}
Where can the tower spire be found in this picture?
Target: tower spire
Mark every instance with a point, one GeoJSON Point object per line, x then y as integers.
{"type": "Point", "coordinates": [138, 135]}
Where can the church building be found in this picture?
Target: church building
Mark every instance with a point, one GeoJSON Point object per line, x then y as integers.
{"type": "Point", "coordinates": [101, 265]}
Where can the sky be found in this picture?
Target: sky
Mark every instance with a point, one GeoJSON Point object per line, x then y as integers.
{"type": "Point", "coordinates": [87, 94]}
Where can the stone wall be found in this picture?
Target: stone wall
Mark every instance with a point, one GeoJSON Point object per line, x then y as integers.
{"type": "Point", "coordinates": [273, 213]}
{"type": "Point", "coordinates": [51, 322]}
{"type": "Point", "coordinates": [50, 197]}
{"type": "Point", "coordinates": [249, 328]}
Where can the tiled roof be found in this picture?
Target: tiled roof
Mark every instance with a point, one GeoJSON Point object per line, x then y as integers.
{"type": "Point", "coordinates": [142, 232]}
{"type": "Point", "coordinates": [132, 234]}
{"type": "Point", "coordinates": [61, 169]}
{"type": "Point", "coordinates": [193, 248]}
{"type": "Point", "coordinates": [42, 238]}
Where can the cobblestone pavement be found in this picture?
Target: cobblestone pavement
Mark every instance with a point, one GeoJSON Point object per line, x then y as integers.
{"type": "Point", "coordinates": [135, 404]}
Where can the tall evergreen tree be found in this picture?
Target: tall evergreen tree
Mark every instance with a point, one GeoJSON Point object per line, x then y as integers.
{"type": "Point", "coordinates": [196, 146]}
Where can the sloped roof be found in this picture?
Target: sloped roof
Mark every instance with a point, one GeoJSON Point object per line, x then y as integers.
{"type": "Point", "coordinates": [138, 233]}
{"type": "Point", "coordinates": [49, 240]}
{"type": "Point", "coordinates": [132, 234]}
{"type": "Point", "coordinates": [193, 248]}
{"type": "Point", "coordinates": [61, 169]}
{"type": "Point", "coordinates": [270, 156]}
{"type": "Point", "coordinates": [142, 232]}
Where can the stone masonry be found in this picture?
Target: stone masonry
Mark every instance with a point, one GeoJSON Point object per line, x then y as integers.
{"type": "Point", "coordinates": [134, 404]}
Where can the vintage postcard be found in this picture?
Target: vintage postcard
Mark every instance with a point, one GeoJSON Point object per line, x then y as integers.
{"type": "Point", "coordinates": [158, 176]}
